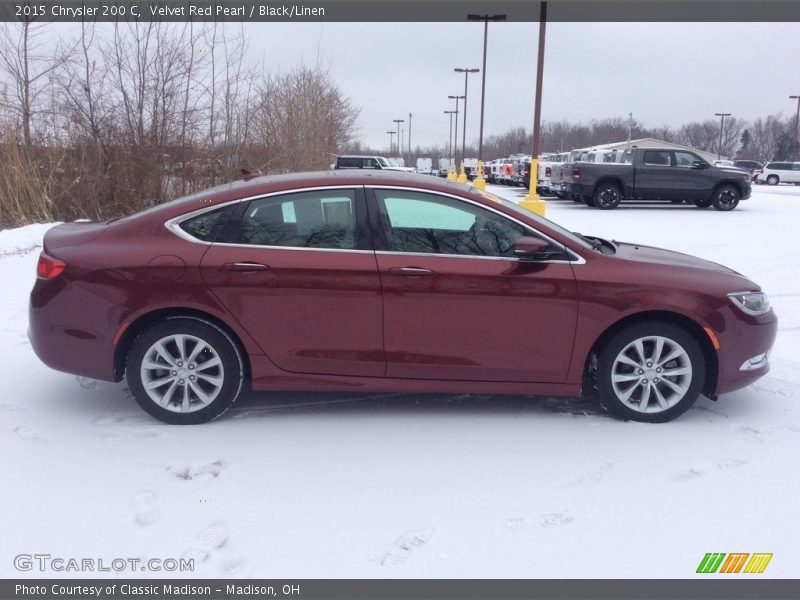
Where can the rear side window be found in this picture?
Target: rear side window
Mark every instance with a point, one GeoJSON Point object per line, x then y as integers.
{"type": "Point", "coordinates": [779, 166]}
{"type": "Point", "coordinates": [318, 219]}
{"type": "Point", "coordinates": [656, 158]}
{"type": "Point", "coordinates": [206, 227]}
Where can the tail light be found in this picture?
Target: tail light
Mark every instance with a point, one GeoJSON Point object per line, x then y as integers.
{"type": "Point", "coordinates": [548, 172]}
{"type": "Point", "coordinates": [49, 267]}
{"type": "Point", "coordinates": [576, 173]}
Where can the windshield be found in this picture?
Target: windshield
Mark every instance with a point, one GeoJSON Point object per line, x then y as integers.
{"type": "Point", "coordinates": [526, 213]}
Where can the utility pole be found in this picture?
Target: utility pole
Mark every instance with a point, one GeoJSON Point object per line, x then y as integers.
{"type": "Point", "coordinates": [391, 141]}
{"type": "Point", "coordinates": [398, 121]}
{"type": "Point", "coordinates": [450, 136]}
{"type": "Point", "coordinates": [451, 176]}
{"type": "Point", "coordinates": [409, 138]}
{"type": "Point", "coordinates": [796, 119]}
{"type": "Point", "coordinates": [721, 126]}
{"type": "Point", "coordinates": [630, 128]}
{"type": "Point", "coordinates": [479, 181]}
{"type": "Point", "coordinates": [463, 177]}
{"type": "Point", "coordinates": [532, 201]}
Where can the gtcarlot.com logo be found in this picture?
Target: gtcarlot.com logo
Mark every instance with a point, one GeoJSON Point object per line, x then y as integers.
{"type": "Point", "coordinates": [46, 562]}
{"type": "Point", "coordinates": [736, 562]}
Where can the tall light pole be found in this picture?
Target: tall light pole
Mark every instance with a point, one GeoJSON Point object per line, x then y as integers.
{"type": "Point", "coordinates": [409, 138]}
{"type": "Point", "coordinates": [721, 126]}
{"type": "Point", "coordinates": [391, 141]}
{"type": "Point", "coordinates": [479, 181]}
{"type": "Point", "coordinates": [450, 136]}
{"type": "Point", "coordinates": [463, 177]}
{"type": "Point", "coordinates": [532, 201]}
{"type": "Point", "coordinates": [398, 121]}
{"type": "Point", "coordinates": [451, 175]}
{"type": "Point", "coordinates": [796, 118]}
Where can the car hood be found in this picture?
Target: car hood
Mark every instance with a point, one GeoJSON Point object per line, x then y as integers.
{"type": "Point", "coordinates": [650, 254]}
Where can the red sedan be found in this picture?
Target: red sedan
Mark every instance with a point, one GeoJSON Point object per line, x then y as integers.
{"type": "Point", "coordinates": [385, 281]}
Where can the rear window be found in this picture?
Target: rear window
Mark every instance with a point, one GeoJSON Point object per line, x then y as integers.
{"type": "Point", "coordinates": [659, 158]}
{"type": "Point", "coordinates": [779, 166]}
{"type": "Point", "coordinates": [206, 227]}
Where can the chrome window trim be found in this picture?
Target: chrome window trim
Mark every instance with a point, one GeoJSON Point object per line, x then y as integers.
{"type": "Point", "coordinates": [579, 260]}
{"type": "Point", "coordinates": [173, 225]}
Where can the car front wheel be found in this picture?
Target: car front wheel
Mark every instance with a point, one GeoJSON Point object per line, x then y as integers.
{"type": "Point", "coordinates": [773, 180]}
{"type": "Point", "coordinates": [651, 372]}
{"type": "Point", "coordinates": [185, 371]}
{"type": "Point", "coordinates": [726, 197]}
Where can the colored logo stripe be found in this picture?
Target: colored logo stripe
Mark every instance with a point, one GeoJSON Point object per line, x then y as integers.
{"type": "Point", "coordinates": [758, 562]}
{"type": "Point", "coordinates": [713, 562]}
{"type": "Point", "coordinates": [734, 562]}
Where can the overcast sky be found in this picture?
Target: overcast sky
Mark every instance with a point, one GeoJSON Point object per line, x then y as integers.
{"type": "Point", "coordinates": [665, 73]}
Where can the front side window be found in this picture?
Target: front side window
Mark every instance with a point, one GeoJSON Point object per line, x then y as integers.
{"type": "Point", "coordinates": [432, 224]}
{"type": "Point", "coordinates": [656, 158]}
{"type": "Point", "coordinates": [316, 219]}
{"type": "Point", "coordinates": [685, 159]}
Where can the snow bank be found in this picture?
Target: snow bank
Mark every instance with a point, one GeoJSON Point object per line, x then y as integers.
{"type": "Point", "coordinates": [23, 239]}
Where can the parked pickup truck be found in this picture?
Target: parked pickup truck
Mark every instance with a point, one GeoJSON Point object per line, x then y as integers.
{"type": "Point", "coordinates": [659, 174]}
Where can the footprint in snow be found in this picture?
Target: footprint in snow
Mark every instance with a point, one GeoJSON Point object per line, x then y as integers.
{"type": "Point", "coordinates": [403, 547]}
{"type": "Point", "coordinates": [145, 508]}
{"type": "Point", "coordinates": [207, 541]}
{"type": "Point", "coordinates": [29, 435]}
{"type": "Point", "coordinates": [11, 408]}
{"type": "Point", "coordinates": [592, 475]}
{"type": "Point", "coordinates": [751, 433]}
{"type": "Point", "coordinates": [198, 471]}
{"type": "Point", "coordinates": [546, 521]}
{"type": "Point", "coordinates": [236, 569]}
{"type": "Point", "coordinates": [87, 383]}
{"type": "Point", "coordinates": [723, 464]}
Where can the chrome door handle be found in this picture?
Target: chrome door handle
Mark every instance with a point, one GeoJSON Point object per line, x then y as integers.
{"type": "Point", "coordinates": [245, 266]}
{"type": "Point", "coordinates": [410, 271]}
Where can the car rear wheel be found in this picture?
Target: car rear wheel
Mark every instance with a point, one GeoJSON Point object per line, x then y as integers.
{"type": "Point", "coordinates": [704, 203]}
{"type": "Point", "coordinates": [725, 197]}
{"type": "Point", "coordinates": [185, 371]}
{"type": "Point", "coordinates": [607, 196]}
{"type": "Point", "coordinates": [651, 372]}
{"type": "Point", "coordinates": [773, 180]}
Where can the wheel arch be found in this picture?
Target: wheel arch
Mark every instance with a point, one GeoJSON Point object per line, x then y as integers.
{"type": "Point", "coordinates": [692, 327]}
{"type": "Point", "coordinates": [733, 182]}
{"type": "Point", "coordinates": [144, 321]}
{"type": "Point", "coordinates": [610, 179]}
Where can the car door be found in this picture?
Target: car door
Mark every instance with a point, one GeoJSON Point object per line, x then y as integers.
{"type": "Point", "coordinates": [689, 182]}
{"type": "Point", "coordinates": [457, 304]}
{"type": "Point", "coordinates": [655, 178]}
{"type": "Point", "coordinates": [297, 270]}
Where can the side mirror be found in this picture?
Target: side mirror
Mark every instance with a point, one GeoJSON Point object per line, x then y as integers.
{"type": "Point", "coordinates": [698, 164]}
{"type": "Point", "coordinates": [531, 248]}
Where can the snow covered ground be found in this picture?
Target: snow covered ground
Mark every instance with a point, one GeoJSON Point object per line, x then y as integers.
{"type": "Point", "coordinates": [385, 485]}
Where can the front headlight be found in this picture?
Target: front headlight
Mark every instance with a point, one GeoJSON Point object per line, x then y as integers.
{"type": "Point", "coordinates": [752, 303]}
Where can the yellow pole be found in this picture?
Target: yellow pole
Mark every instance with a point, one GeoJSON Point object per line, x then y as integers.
{"type": "Point", "coordinates": [462, 176]}
{"type": "Point", "coordinates": [532, 201]}
{"type": "Point", "coordinates": [479, 182]}
{"type": "Point", "coordinates": [451, 174]}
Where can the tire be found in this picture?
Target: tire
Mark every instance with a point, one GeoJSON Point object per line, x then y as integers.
{"type": "Point", "coordinates": [639, 392]}
{"type": "Point", "coordinates": [185, 398]}
{"type": "Point", "coordinates": [704, 203]}
{"type": "Point", "coordinates": [607, 196]}
{"type": "Point", "coordinates": [725, 197]}
{"type": "Point", "coordinates": [773, 180]}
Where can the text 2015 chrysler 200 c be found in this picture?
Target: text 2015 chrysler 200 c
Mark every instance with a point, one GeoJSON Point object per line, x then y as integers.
{"type": "Point", "coordinates": [384, 281]}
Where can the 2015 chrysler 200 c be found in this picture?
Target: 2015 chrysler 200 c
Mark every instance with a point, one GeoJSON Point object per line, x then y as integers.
{"type": "Point", "coordinates": [386, 281]}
